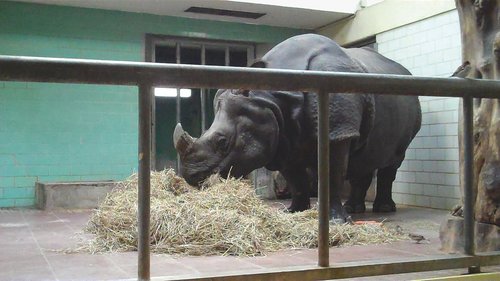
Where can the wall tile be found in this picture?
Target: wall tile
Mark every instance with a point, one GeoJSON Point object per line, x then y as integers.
{"type": "Point", "coordinates": [58, 132]}
{"type": "Point", "coordinates": [422, 200]}
{"type": "Point", "coordinates": [430, 190]}
{"type": "Point", "coordinates": [430, 47]}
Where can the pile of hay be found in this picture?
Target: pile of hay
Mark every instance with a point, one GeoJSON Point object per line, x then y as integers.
{"type": "Point", "coordinates": [224, 217]}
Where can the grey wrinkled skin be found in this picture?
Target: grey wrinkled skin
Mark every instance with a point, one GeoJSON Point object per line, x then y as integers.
{"type": "Point", "coordinates": [278, 130]}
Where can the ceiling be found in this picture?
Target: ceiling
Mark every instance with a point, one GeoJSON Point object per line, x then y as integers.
{"type": "Point", "coordinates": [310, 14]}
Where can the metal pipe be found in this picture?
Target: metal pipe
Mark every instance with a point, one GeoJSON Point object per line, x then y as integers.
{"type": "Point", "coordinates": [174, 75]}
{"type": "Point", "coordinates": [203, 97]}
{"type": "Point", "coordinates": [323, 180]}
{"type": "Point", "coordinates": [348, 269]}
{"type": "Point", "coordinates": [227, 59]}
{"type": "Point", "coordinates": [150, 56]}
{"type": "Point", "coordinates": [178, 97]}
{"type": "Point", "coordinates": [178, 101]}
{"type": "Point", "coordinates": [468, 172]}
{"type": "Point", "coordinates": [250, 55]}
{"type": "Point", "coordinates": [144, 175]}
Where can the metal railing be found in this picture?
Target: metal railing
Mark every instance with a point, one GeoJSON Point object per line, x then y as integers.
{"type": "Point", "coordinates": [148, 75]}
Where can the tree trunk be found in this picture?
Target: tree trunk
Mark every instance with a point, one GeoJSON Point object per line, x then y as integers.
{"type": "Point", "coordinates": [480, 29]}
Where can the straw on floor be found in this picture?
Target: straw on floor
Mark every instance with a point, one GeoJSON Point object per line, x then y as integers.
{"type": "Point", "coordinates": [225, 217]}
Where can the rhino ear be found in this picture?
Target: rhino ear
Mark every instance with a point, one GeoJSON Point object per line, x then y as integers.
{"type": "Point", "coordinates": [259, 64]}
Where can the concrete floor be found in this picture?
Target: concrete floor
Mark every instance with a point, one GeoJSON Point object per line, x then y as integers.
{"type": "Point", "coordinates": [31, 242]}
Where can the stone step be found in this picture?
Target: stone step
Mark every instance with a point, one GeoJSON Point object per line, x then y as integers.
{"type": "Point", "coordinates": [71, 195]}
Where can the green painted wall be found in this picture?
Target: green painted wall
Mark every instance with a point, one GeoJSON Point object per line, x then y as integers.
{"type": "Point", "coordinates": [56, 132]}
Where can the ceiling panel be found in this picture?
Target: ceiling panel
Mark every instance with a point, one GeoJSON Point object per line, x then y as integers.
{"type": "Point", "coordinates": [309, 14]}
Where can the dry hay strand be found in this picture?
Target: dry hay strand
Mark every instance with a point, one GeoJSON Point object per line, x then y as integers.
{"type": "Point", "coordinates": [224, 217]}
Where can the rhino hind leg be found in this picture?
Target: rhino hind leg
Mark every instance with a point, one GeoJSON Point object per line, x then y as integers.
{"type": "Point", "coordinates": [383, 201]}
{"type": "Point", "coordinates": [359, 186]}
{"type": "Point", "coordinates": [338, 168]}
{"type": "Point", "coordinates": [298, 182]}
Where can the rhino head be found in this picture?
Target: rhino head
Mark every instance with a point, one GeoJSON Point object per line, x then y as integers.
{"type": "Point", "coordinates": [243, 137]}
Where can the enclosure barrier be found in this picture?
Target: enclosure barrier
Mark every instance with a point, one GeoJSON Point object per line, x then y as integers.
{"type": "Point", "coordinates": [148, 75]}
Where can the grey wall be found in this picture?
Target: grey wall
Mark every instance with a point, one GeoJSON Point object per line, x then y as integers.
{"type": "Point", "coordinates": [429, 176]}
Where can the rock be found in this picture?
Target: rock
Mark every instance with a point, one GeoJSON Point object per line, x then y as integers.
{"type": "Point", "coordinates": [280, 186]}
{"type": "Point", "coordinates": [262, 180]}
{"type": "Point", "coordinates": [451, 235]}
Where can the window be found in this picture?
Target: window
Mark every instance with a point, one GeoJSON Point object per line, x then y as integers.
{"type": "Point", "coordinates": [192, 107]}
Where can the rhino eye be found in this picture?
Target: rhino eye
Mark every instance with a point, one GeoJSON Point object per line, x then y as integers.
{"type": "Point", "coordinates": [222, 143]}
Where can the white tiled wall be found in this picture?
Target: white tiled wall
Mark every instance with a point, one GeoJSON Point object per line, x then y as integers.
{"type": "Point", "coordinates": [429, 175]}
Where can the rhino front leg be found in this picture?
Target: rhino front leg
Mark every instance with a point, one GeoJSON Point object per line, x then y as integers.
{"type": "Point", "coordinates": [298, 183]}
{"type": "Point", "coordinates": [338, 168]}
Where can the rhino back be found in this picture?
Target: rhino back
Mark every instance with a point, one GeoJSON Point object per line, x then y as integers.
{"type": "Point", "coordinates": [373, 62]}
{"type": "Point", "coordinates": [309, 52]}
{"type": "Point", "coordinates": [381, 126]}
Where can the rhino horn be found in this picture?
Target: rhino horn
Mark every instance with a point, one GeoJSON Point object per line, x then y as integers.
{"type": "Point", "coordinates": [182, 140]}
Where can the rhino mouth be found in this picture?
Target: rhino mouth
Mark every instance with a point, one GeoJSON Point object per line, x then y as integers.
{"type": "Point", "coordinates": [195, 176]}
{"type": "Point", "coordinates": [233, 172]}
{"type": "Point", "coordinates": [196, 179]}
{"type": "Point", "coordinates": [198, 176]}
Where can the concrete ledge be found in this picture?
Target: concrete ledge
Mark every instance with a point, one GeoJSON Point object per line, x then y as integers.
{"type": "Point", "coordinates": [71, 195]}
{"type": "Point", "coordinates": [469, 277]}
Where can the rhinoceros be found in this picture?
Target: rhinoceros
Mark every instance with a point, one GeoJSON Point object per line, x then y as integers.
{"type": "Point", "coordinates": [278, 129]}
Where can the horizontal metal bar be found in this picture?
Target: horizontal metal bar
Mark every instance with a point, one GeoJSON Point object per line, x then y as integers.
{"type": "Point", "coordinates": [37, 69]}
{"type": "Point", "coordinates": [351, 269]}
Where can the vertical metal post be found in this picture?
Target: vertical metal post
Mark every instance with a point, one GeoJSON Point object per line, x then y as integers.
{"type": "Point", "coordinates": [323, 180]}
{"type": "Point", "coordinates": [178, 100]}
{"type": "Point", "coordinates": [145, 97]}
{"type": "Point", "coordinates": [150, 56]}
{"type": "Point", "coordinates": [178, 97]}
{"type": "Point", "coordinates": [153, 132]}
{"type": "Point", "coordinates": [227, 59]}
{"type": "Point", "coordinates": [250, 55]}
{"type": "Point", "coordinates": [203, 97]}
{"type": "Point", "coordinates": [469, 246]}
